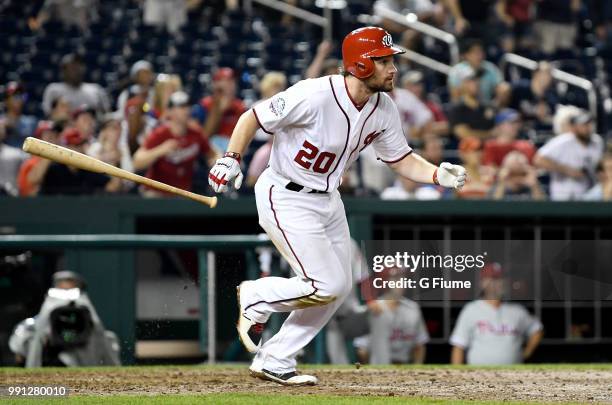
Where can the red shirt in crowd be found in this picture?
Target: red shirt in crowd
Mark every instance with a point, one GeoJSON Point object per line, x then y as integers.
{"type": "Point", "coordinates": [230, 116]}
{"type": "Point", "coordinates": [520, 10]}
{"type": "Point", "coordinates": [177, 167]}
{"type": "Point", "coordinates": [495, 151]}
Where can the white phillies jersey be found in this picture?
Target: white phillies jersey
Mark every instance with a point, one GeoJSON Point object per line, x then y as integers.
{"type": "Point", "coordinates": [395, 333]}
{"type": "Point", "coordinates": [319, 131]}
{"type": "Point", "coordinates": [493, 335]}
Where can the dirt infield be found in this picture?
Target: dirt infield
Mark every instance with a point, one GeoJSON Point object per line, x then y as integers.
{"type": "Point", "coordinates": [531, 384]}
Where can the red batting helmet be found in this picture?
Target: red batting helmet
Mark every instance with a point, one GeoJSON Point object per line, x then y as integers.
{"type": "Point", "coordinates": [363, 44]}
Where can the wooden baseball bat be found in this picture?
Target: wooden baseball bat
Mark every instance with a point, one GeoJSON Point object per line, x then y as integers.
{"type": "Point", "coordinates": [69, 157]}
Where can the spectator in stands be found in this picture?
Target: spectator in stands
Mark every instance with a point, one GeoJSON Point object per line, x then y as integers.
{"type": "Point", "coordinates": [600, 12]}
{"type": "Point", "coordinates": [563, 117]}
{"type": "Point", "coordinates": [491, 330]}
{"type": "Point", "coordinates": [60, 110]}
{"type": "Point", "coordinates": [109, 148]}
{"type": "Point", "coordinates": [572, 158]}
{"type": "Point", "coordinates": [73, 90]}
{"type": "Point", "coordinates": [10, 160]}
{"type": "Point", "coordinates": [77, 13]}
{"type": "Point", "coordinates": [413, 82]}
{"type": "Point", "coordinates": [417, 119]}
{"type": "Point", "coordinates": [556, 25]}
{"type": "Point", "coordinates": [165, 86]}
{"type": "Point", "coordinates": [507, 129]}
{"type": "Point", "coordinates": [517, 16]}
{"type": "Point", "coordinates": [603, 189]}
{"type": "Point", "coordinates": [17, 125]}
{"type": "Point", "coordinates": [33, 170]}
{"type": "Point", "coordinates": [403, 189]}
{"type": "Point", "coordinates": [63, 179]}
{"type": "Point", "coordinates": [84, 121]}
{"type": "Point", "coordinates": [492, 88]}
{"type": "Point", "coordinates": [425, 10]}
{"type": "Point", "coordinates": [170, 152]}
{"type": "Point", "coordinates": [480, 178]}
{"type": "Point", "coordinates": [471, 17]}
{"type": "Point", "coordinates": [271, 84]}
{"type": "Point", "coordinates": [397, 329]}
{"type": "Point", "coordinates": [468, 117]}
{"type": "Point", "coordinates": [517, 180]}
{"type": "Point", "coordinates": [321, 64]}
{"type": "Point", "coordinates": [536, 98]}
{"type": "Point", "coordinates": [168, 14]}
{"type": "Point", "coordinates": [142, 78]}
{"type": "Point", "coordinates": [229, 106]}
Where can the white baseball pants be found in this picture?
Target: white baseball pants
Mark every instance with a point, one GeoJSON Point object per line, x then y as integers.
{"type": "Point", "coordinates": [311, 232]}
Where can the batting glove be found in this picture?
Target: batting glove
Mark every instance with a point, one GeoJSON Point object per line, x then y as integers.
{"type": "Point", "coordinates": [449, 176]}
{"type": "Point", "coordinates": [225, 170]}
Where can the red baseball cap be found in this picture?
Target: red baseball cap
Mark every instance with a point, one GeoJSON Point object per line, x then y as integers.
{"type": "Point", "coordinates": [14, 88]}
{"type": "Point", "coordinates": [44, 126]}
{"type": "Point", "coordinates": [224, 74]}
{"type": "Point", "coordinates": [82, 109]}
{"type": "Point", "coordinates": [72, 137]}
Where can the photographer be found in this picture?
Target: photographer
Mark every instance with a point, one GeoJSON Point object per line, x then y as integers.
{"type": "Point", "coordinates": [66, 332]}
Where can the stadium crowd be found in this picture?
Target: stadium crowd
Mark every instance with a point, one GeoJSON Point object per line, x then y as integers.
{"type": "Point", "coordinates": [519, 136]}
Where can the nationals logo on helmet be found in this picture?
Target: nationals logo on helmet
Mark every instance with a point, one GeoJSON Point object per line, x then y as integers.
{"type": "Point", "coordinates": [387, 40]}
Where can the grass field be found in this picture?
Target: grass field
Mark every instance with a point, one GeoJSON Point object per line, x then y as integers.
{"type": "Point", "coordinates": [231, 384]}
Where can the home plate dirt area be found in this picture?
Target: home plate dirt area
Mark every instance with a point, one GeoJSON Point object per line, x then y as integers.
{"type": "Point", "coordinates": [527, 383]}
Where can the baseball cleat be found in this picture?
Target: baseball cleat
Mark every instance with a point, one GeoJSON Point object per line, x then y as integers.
{"type": "Point", "coordinates": [291, 379]}
{"type": "Point", "coordinates": [249, 332]}
{"type": "Point", "coordinates": [256, 372]}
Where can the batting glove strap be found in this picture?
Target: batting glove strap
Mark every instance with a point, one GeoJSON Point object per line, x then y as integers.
{"type": "Point", "coordinates": [233, 155]}
{"type": "Point", "coordinates": [450, 176]}
{"type": "Point", "coordinates": [225, 170]}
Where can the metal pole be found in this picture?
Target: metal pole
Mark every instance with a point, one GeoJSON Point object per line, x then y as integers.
{"type": "Point", "coordinates": [203, 277]}
{"type": "Point", "coordinates": [327, 29]}
{"type": "Point", "coordinates": [212, 307]}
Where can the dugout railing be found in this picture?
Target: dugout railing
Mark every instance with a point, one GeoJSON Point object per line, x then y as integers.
{"type": "Point", "coordinates": [112, 291]}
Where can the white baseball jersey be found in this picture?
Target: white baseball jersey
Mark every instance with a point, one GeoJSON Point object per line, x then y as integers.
{"type": "Point", "coordinates": [319, 131]}
{"type": "Point", "coordinates": [493, 335]}
{"type": "Point", "coordinates": [394, 333]}
{"type": "Point", "coordinates": [569, 151]}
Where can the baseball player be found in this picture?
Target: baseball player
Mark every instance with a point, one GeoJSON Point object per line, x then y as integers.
{"type": "Point", "coordinates": [398, 333]}
{"type": "Point", "coordinates": [492, 331]}
{"type": "Point", "coordinates": [319, 127]}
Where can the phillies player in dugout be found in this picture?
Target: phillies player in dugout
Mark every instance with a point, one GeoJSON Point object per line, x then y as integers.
{"type": "Point", "coordinates": [319, 127]}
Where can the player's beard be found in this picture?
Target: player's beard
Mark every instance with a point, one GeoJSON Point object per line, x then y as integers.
{"type": "Point", "coordinates": [376, 86]}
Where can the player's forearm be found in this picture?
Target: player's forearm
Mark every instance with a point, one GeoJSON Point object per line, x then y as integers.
{"type": "Point", "coordinates": [457, 355]}
{"type": "Point", "coordinates": [532, 344]}
{"type": "Point", "coordinates": [243, 133]}
{"type": "Point", "coordinates": [38, 172]}
{"type": "Point", "coordinates": [415, 168]}
{"type": "Point", "coordinates": [454, 8]}
{"type": "Point", "coordinates": [144, 158]}
{"type": "Point", "coordinates": [549, 164]}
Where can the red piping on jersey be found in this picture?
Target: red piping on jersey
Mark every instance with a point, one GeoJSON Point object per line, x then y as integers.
{"type": "Point", "coordinates": [363, 126]}
{"type": "Point", "coordinates": [294, 255]}
{"type": "Point", "coordinates": [396, 160]}
{"type": "Point", "coordinates": [259, 123]}
{"type": "Point", "coordinates": [348, 131]}
{"type": "Point", "coordinates": [357, 106]}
